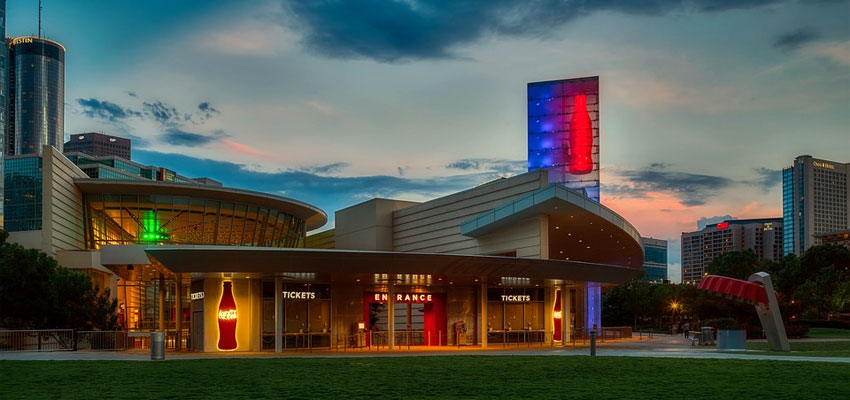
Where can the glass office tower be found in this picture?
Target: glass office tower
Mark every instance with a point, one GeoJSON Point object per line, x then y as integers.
{"type": "Point", "coordinates": [4, 86]}
{"type": "Point", "coordinates": [37, 95]}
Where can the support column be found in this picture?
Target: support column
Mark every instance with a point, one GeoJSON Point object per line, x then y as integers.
{"type": "Point", "coordinates": [161, 303]}
{"type": "Point", "coordinates": [278, 315]}
{"type": "Point", "coordinates": [565, 315]}
{"type": "Point", "coordinates": [482, 298]}
{"type": "Point", "coordinates": [391, 314]}
{"type": "Point", "coordinates": [594, 307]}
{"type": "Point", "coordinates": [178, 315]}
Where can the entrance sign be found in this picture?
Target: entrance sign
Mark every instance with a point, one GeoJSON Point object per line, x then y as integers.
{"type": "Point", "coordinates": [404, 297]}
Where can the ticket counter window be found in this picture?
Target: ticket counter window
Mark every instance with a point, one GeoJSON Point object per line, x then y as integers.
{"type": "Point", "coordinates": [306, 315]}
{"type": "Point", "coordinates": [515, 315]}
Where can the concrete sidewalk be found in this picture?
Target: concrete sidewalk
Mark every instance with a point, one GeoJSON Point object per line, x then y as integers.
{"type": "Point", "coordinates": [664, 346]}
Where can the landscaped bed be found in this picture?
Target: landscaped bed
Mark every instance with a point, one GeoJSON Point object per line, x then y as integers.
{"type": "Point", "coordinates": [515, 377]}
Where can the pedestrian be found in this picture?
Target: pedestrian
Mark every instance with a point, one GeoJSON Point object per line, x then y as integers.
{"type": "Point", "coordinates": [686, 329]}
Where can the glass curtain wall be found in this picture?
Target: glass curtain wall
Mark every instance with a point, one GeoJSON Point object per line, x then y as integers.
{"type": "Point", "coordinates": [162, 219]}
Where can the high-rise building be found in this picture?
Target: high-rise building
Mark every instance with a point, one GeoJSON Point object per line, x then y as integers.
{"type": "Point", "coordinates": [654, 259]}
{"type": "Point", "coordinates": [36, 95]}
{"type": "Point", "coordinates": [700, 248]}
{"type": "Point", "coordinates": [4, 98]}
{"type": "Point", "coordinates": [99, 145]}
{"type": "Point", "coordinates": [815, 201]}
{"type": "Point", "coordinates": [563, 132]}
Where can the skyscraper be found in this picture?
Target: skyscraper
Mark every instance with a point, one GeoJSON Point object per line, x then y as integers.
{"type": "Point", "coordinates": [4, 105]}
{"type": "Point", "coordinates": [654, 259]}
{"type": "Point", "coordinates": [36, 95]}
{"type": "Point", "coordinates": [99, 145]}
{"type": "Point", "coordinates": [700, 248]}
{"type": "Point", "coordinates": [815, 201]}
{"type": "Point", "coordinates": [563, 132]}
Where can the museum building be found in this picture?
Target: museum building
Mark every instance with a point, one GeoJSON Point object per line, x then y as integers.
{"type": "Point", "coordinates": [516, 259]}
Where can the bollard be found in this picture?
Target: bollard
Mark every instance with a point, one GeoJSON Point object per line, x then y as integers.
{"type": "Point", "coordinates": [157, 346]}
{"type": "Point", "coordinates": [592, 343]}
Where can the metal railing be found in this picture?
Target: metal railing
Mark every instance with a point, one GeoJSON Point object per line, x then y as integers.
{"type": "Point", "coordinates": [103, 340]}
{"type": "Point", "coordinates": [37, 340]}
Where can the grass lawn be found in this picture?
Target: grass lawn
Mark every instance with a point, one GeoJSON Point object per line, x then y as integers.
{"type": "Point", "coordinates": [514, 377]}
{"type": "Point", "coordinates": [829, 333]}
{"type": "Point", "coordinates": [810, 349]}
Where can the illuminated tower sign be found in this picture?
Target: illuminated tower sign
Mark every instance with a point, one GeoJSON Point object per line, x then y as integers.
{"type": "Point", "coordinates": [563, 132]}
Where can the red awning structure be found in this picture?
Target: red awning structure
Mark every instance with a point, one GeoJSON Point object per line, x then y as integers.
{"type": "Point", "coordinates": [740, 290]}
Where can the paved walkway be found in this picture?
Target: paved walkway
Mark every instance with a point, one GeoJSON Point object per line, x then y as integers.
{"type": "Point", "coordinates": [660, 346]}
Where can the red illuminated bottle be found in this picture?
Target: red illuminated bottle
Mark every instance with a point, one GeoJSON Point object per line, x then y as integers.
{"type": "Point", "coordinates": [581, 138]}
{"type": "Point", "coordinates": [227, 319]}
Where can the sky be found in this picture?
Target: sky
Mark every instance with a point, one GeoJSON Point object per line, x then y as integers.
{"type": "Point", "coordinates": [703, 102]}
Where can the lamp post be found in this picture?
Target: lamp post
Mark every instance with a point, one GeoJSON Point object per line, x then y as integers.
{"type": "Point", "coordinates": [674, 305]}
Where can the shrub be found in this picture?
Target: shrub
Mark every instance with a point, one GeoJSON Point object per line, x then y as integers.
{"type": "Point", "coordinates": [722, 323]}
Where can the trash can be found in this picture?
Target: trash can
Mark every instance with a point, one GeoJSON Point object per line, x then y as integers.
{"type": "Point", "coordinates": [157, 345]}
{"type": "Point", "coordinates": [707, 335]}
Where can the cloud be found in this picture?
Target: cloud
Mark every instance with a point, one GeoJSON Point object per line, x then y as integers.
{"type": "Point", "coordinates": [325, 169]}
{"type": "Point", "coordinates": [706, 221]}
{"type": "Point", "coordinates": [179, 137]}
{"type": "Point", "coordinates": [330, 193]}
{"type": "Point", "coordinates": [94, 108]}
{"type": "Point", "coordinates": [397, 31]}
{"type": "Point", "coordinates": [691, 189]}
{"type": "Point", "coordinates": [490, 164]}
{"type": "Point", "coordinates": [767, 178]}
{"type": "Point", "coordinates": [838, 52]}
{"type": "Point", "coordinates": [163, 113]}
{"type": "Point", "coordinates": [795, 39]}
{"type": "Point", "coordinates": [207, 111]}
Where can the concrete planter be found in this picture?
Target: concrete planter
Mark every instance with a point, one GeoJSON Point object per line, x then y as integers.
{"type": "Point", "coordinates": [731, 339]}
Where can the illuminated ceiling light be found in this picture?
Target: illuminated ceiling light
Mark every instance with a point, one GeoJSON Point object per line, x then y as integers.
{"type": "Point", "coordinates": [557, 227]}
{"type": "Point", "coordinates": [569, 234]}
{"type": "Point", "coordinates": [589, 247]}
{"type": "Point", "coordinates": [561, 252]}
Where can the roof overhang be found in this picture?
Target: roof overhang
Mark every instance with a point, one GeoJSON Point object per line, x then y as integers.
{"type": "Point", "coordinates": [312, 215]}
{"type": "Point", "coordinates": [579, 227]}
{"type": "Point", "coordinates": [342, 263]}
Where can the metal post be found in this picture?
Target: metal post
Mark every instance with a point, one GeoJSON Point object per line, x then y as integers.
{"type": "Point", "coordinates": [592, 343]}
{"type": "Point", "coordinates": [178, 316]}
{"type": "Point", "coordinates": [391, 314]}
{"type": "Point", "coordinates": [482, 298]}
{"type": "Point", "coordinates": [161, 303]}
{"type": "Point", "coordinates": [278, 315]}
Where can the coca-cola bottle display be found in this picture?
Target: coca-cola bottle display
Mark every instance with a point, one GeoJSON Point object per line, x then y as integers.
{"type": "Point", "coordinates": [227, 319]}
{"type": "Point", "coordinates": [581, 139]}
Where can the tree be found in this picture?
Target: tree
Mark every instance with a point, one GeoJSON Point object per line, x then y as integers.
{"type": "Point", "coordinates": [37, 293]}
{"type": "Point", "coordinates": [736, 264]}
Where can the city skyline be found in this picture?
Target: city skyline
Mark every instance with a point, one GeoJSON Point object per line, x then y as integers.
{"type": "Point", "coordinates": [334, 118]}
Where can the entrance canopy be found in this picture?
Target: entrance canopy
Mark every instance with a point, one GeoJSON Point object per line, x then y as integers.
{"type": "Point", "coordinates": [579, 227]}
{"type": "Point", "coordinates": [343, 265]}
